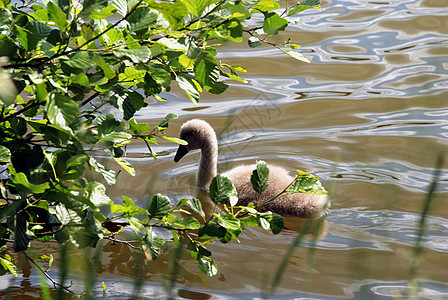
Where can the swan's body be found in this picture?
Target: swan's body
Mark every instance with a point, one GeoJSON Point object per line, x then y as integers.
{"type": "Point", "coordinates": [200, 135]}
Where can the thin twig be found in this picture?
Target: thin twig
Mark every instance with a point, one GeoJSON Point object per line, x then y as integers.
{"type": "Point", "coordinates": [25, 108]}
{"type": "Point", "coordinates": [55, 283]}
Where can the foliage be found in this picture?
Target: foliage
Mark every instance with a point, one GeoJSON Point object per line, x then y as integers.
{"type": "Point", "coordinates": [65, 65]}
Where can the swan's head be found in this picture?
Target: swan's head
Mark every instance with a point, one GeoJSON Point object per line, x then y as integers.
{"type": "Point", "coordinates": [197, 133]}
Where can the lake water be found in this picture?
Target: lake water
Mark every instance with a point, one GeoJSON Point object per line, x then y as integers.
{"type": "Point", "coordinates": [369, 115]}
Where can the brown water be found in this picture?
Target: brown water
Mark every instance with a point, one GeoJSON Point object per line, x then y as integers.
{"type": "Point", "coordinates": [369, 115]}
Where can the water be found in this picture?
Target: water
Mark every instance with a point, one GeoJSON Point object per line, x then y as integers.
{"type": "Point", "coordinates": [369, 115]}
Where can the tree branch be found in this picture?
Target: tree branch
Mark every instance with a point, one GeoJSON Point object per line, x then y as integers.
{"type": "Point", "coordinates": [55, 283]}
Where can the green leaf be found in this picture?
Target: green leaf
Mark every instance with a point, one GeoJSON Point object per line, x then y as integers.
{"type": "Point", "coordinates": [151, 86]}
{"type": "Point", "coordinates": [269, 220]}
{"type": "Point", "coordinates": [189, 222]}
{"type": "Point", "coordinates": [108, 175]}
{"type": "Point", "coordinates": [131, 76]}
{"type": "Point", "coordinates": [122, 99]}
{"type": "Point", "coordinates": [98, 194]}
{"type": "Point", "coordinates": [273, 23]}
{"type": "Point", "coordinates": [116, 137]}
{"type": "Point", "coordinates": [304, 5]}
{"type": "Point", "coordinates": [159, 207]}
{"type": "Point", "coordinates": [199, 248]}
{"type": "Point", "coordinates": [107, 124]}
{"type": "Point", "coordinates": [228, 221]}
{"type": "Point", "coordinates": [5, 154]}
{"type": "Point", "coordinates": [297, 55]}
{"type": "Point", "coordinates": [152, 244]}
{"type": "Point", "coordinates": [27, 37]}
{"type": "Point", "coordinates": [127, 211]}
{"type": "Point", "coordinates": [57, 15]}
{"type": "Point", "coordinates": [222, 190]}
{"type": "Point", "coordinates": [206, 69]}
{"type": "Point", "coordinates": [196, 7]}
{"type": "Point", "coordinates": [211, 231]}
{"type": "Point", "coordinates": [139, 55]}
{"type": "Point", "coordinates": [21, 180]}
{"type": "Point", "coordinates": [121, 6]}
{"type": "Point", "coordinates": [81, 79]}
{"type": "Point", "coordinates": [207, 265]}
{"type": "Point", "coordinates": [165, 122]}
{"type": "Point", "coordinates": [74, 166]}
{"type": "Point", "coordinates": [6, 263]}
{"type": "Point", "coordinates": [174, 13]}
{"type": "Point", "coordinates": [99, 61]}
{"type": "Point", "coordinates": [125, 165]}
{"type": "Point", "coordinates": [90, 6]}
{"type": "Point", "coordinates": [138, 128]}
{"type": "Point", "coordinates": [266, 5]}
{"type": "Point", "coordinates": [104, 13]}
{"type": "Point", "coordinates": [190, 86]}
{"type": "Point", "coordinates": [260, 177]}
{"type": "Point", "coordinates": [80, 60]}
{"type": "Point", "coordinates": [196, 206]}
{"type": "Point", "coordinates": [306, 183]}
{"type": "Point", "coordinates": [141, 20]}
{"type": "Point", "coordinates": [240, 12]}
{"type": "Point", "coordinates": [175, 140]}
{"type": "Point", "coordinates": [218, 88]}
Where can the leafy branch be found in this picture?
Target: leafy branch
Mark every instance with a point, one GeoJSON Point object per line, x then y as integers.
{"type": "Point", "coordinates": [72, 84]}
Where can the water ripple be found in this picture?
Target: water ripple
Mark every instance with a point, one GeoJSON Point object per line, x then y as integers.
{"type": "Point", "coordinates": [382, 230]}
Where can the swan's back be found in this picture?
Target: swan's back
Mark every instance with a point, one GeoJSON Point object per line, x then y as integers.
{"type": "Point", "coordinates": [298, 204]}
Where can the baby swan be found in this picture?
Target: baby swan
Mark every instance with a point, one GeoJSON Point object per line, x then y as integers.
{"type": "Point", "coordinates": [200, 135]}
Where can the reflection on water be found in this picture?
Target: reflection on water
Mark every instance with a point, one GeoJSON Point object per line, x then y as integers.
{"type": "Point", "coordinates": [369, 115]}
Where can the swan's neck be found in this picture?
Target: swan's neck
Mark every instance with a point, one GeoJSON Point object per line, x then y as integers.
{"type": "Point", "coordinates": [208, 165]}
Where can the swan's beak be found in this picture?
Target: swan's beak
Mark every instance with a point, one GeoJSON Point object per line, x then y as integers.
{"type": "Point", "coordinates": [181, 152]}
